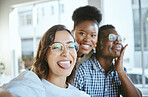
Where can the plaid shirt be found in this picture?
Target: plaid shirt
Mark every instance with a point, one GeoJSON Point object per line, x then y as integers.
{"type": "Point", "coordinates": [91, 78]}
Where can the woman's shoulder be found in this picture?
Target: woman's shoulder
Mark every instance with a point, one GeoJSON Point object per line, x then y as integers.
{"type": "Point", "coordinates": [27, 77]}
{"type": "Point", "coordinates": [25, 84]}
{"type": "Point", "coordinates": [90, 60]}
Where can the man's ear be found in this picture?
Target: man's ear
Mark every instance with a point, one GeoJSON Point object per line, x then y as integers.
{"type": "Point", "coordinates": [99, 45]}
{"type": "Point", "coordinates": [101, 42]}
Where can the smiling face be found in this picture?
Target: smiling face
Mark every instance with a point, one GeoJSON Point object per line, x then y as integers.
{"type": "Point", "coordinates": [61, 64]}
{"type": "Point", "coordinates": [110, 48]}
{"type": "Point", "coordinates": [86, 36]}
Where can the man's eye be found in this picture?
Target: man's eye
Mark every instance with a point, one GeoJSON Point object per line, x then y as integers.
{"type": "Point", "coordinates": [120, 39]}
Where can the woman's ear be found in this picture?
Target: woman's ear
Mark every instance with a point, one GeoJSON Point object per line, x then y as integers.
{"type": "Point", "coordinates": [72, 31]}
{"type": "Point", "coordinates": [45, 58]}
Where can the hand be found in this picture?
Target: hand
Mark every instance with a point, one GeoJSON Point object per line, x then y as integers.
{"type": "Point", "coordinates": [119, 61]}
{"type": "Point", "coordinates": [4, 93]}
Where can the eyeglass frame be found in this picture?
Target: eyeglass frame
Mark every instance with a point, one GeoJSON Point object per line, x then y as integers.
{"type": "Point", "coordinates": [117, 37]}
{"type": "Point", "coordinates": [76, 47]}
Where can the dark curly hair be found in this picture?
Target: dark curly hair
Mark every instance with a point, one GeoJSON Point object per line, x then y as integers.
{"type": "Point", "coordinates": [40, 65]}
{"type": "Point", "coordinates": [86, 13]}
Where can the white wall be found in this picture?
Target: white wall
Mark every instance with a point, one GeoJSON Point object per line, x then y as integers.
{"type": "Point", "coordinates": [6, 52]}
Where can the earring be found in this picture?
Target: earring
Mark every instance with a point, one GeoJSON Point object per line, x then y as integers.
{"type": "Point", "coordinates": [94, 49]}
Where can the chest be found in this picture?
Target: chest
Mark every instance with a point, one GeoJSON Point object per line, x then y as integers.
{"type": "Point", "coordinates": [99, 83]}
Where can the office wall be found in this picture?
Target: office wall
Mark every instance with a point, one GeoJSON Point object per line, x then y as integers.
{"type": "Point", "coordinates": [6, 52]}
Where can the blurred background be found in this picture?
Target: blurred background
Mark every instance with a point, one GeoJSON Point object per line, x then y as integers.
{"type": "Point", "coordinates": [23, 22]}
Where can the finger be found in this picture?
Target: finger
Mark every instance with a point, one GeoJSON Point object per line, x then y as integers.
{"type": "Point", "coordinates": [122, 52]}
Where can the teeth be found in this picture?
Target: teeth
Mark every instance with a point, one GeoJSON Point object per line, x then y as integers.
{"type": "Point", "coordinates": [64, 62]}
{"type": "Point", "coordinates": [85, 45]}
{"type": "Point", "coordinates": [119, 46]}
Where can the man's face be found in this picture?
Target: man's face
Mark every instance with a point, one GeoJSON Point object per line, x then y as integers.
{"type": "Point", "coordinates": [111, 44]}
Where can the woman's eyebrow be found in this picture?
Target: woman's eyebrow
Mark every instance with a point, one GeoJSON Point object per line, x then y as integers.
{"type": "Point", "coordinates": [66, 42]}
{"type": "Point", "coordinates": [82, 30]}
{"type": "Point", "coordinates": [70, 42]}
{"type": "Point", "coordinates": [56, 42]}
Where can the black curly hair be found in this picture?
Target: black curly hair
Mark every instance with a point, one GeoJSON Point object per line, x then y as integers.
{"type": "Point", "coordinates": [86, 13]}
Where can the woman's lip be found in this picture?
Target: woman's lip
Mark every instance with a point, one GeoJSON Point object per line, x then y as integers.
{"type": "Point", "coordinates": [85, 46]}
{"type": "Point", "coordinates": [65, 64]}
{"type": "Point", "coordinates": [64, 60]}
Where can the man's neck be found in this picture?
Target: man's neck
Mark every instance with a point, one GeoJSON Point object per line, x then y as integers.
{"type": "Point", "coordinates": [105, 63]}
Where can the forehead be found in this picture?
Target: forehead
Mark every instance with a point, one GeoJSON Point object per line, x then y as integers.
{"type": "Point", "coordinates": [87, 25]}
{"type": "Point", "coordinates": [109, 31]}
{"type": "Point", "coordinates": [63, 36]}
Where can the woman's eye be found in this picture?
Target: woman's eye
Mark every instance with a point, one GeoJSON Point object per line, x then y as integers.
{"type": "Point", "coordinates": [82, 33]}
{"type": "Point", "coordinates": [56, 47]}
{"type": "Point", "coordinates": [71, 46]}
{"type": "Point", "coordinates": [93, 35]}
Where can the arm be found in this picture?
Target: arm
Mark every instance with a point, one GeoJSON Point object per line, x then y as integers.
{"type": "Point", "coordinates": [27, 84]}
{"type": "Point", "coordinates": [4, 93]}
{"type": "Point", "coordinates": [129, 89]}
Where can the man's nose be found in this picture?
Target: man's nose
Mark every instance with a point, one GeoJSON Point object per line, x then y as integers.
{"type": "Point", "coordinates": [117, 40]}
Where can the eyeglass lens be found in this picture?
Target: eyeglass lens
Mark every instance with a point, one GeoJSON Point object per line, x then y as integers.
{"type": "Point", "coordinates": [113, 37]}
{"type": "Point", "coordinates": [58, 48]}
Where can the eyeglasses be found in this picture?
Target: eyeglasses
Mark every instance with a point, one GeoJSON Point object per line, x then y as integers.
{"type": "Point", "coordinates": [58, 48]}
{"type": "Point", "coordinates": [113, 37]}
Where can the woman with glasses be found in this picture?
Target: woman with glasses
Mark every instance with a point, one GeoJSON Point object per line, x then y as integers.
{"type": "Point", "coordinates": [52, 68]}
{"type": "Point", "coordinates": [103, 74]}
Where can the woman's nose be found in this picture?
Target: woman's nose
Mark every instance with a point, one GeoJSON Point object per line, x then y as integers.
{"type": "Point", "coordinates": [87, 38]}
{"type": "Point", "coordinates": [65, 51]}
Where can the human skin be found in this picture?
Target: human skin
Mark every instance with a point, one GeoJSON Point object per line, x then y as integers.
{"type": "Point", "coordinates": [4, 93]}
{"type": "Point", "coordinates": [114, 51]}
{"type": "Point", "coordinates": [86, 34]}
{"type": "Point", "coordinates": [57, 73]}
